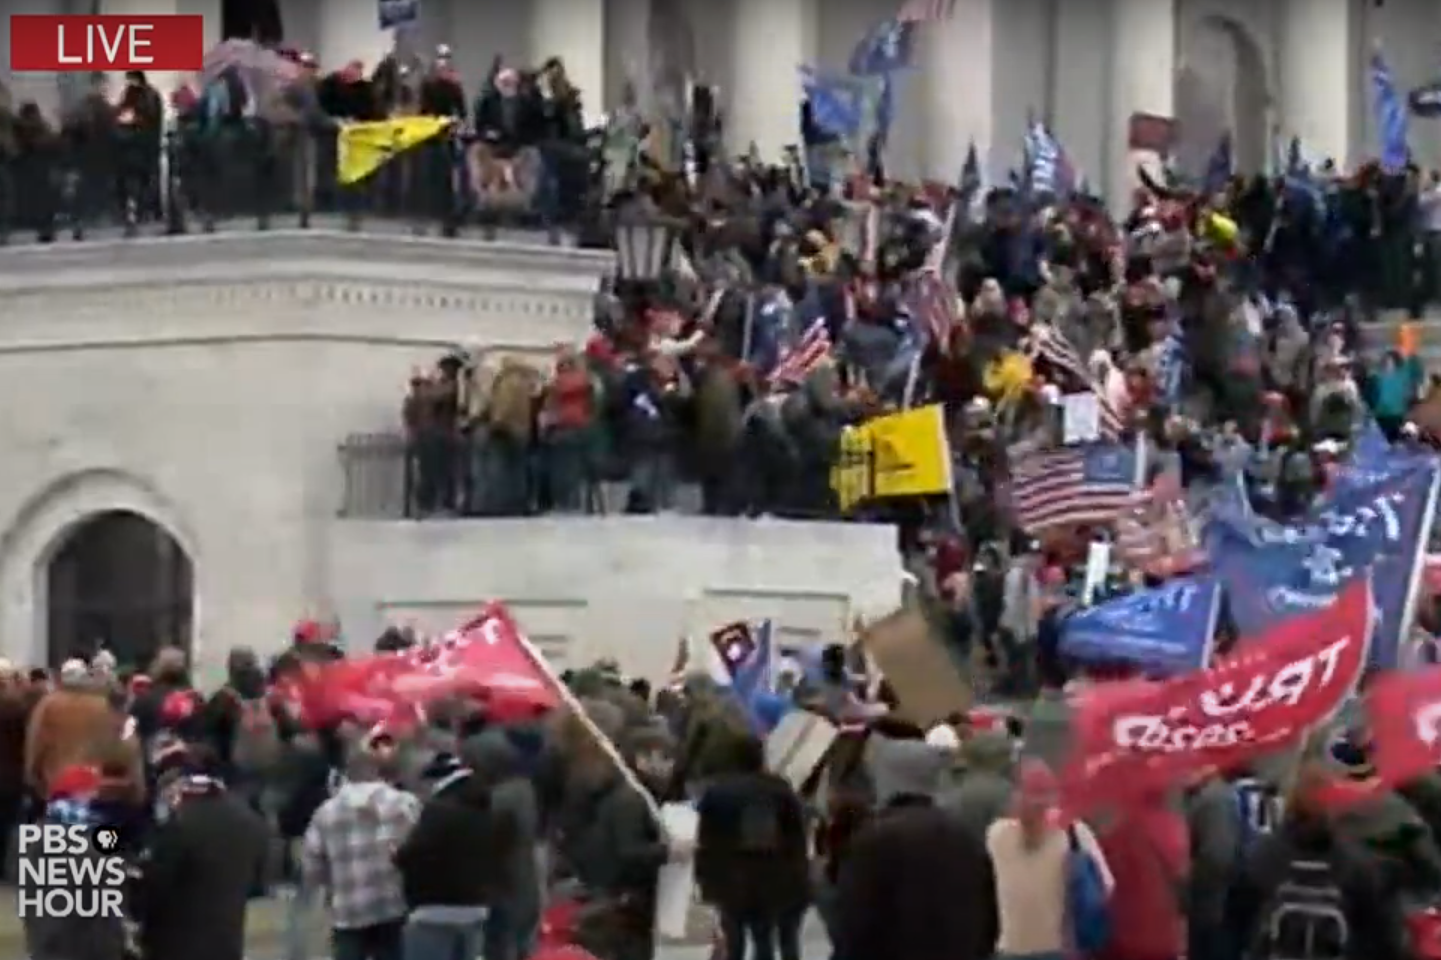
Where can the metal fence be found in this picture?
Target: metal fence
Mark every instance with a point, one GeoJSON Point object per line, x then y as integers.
{"type": "Point", "coordinates": [193, 179]}
{"type": "Point", "coordinates": [389, 476]}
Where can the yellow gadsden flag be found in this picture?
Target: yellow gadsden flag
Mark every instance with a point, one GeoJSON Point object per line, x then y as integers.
{"type": "Point", "coordinates": [365, 147]}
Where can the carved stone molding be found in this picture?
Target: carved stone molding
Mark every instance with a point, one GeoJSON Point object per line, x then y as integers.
{"type": "Point", "coordinates": [362, 252]}
{"type": "Point", "coordinates": [295, 284]}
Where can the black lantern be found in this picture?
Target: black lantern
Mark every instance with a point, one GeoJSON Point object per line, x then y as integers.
{"type": "Point", "coordinates": [645, 244]}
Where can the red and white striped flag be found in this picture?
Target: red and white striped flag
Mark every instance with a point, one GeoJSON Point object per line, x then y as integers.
{"type": "Point", "coordinates": [1159, 536]}
{"type": "Point", "coordinates": [809, 352]}
{"type": "Point", "coordinates": [936, 308]}
{"type": "Point", "coordinates": [925, 11]}
{"type": "Point", "coordinates": [1073, 376]}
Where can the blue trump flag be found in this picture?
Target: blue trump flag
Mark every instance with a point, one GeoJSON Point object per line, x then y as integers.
{"type": "Point", "coordinates": [1271, 571]}
{"type": "Point", "coordinates": [1164, 631]}
{"type": "Point", "coordinates": [749, 654]}
{"type": "Point", "coordinates": [838, 104]}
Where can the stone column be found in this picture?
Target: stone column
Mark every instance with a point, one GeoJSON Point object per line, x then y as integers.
{"type": "Point", "coordinates": [574, 31]}
{"type": "Point", "coordinates": [164, 81]}
{"type": "Point", "coordinates": [957, 65]}
{"type": "Point", "coordinates": [351, 31]}
{"type": "Point", "coordinates": [628, 53]}
{"type": "Point", "coordinates": [1143, 80]}
{"type": "Point", "coordinates": [1318, 77]}
{"type": "Point", "coordinates": [771, 40]}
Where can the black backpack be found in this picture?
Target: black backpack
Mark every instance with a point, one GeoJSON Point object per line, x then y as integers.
{"type": "Point", "coordinates": [1306, 919]}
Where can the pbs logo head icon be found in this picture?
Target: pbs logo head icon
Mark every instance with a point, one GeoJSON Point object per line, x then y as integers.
{"type": "Point", "coordinates": [106, 839]}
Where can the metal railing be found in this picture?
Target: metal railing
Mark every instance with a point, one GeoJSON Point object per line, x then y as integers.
{"type": "Point", "coordinates": [258, 174]}
{"type": "Point", "coordinates": [389, 476]}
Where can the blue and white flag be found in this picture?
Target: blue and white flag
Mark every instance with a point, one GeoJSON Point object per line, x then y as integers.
{"type": "Point", "coordinates": [398, 13]}
{"type": "Point", "coordinates": [1047, 172]}
{"type": "Point", "coordinates": [885, 48]}
{"type": "Point", "coordinates": [748, 653]}
{"type": "Point", "coordinates": [1391, 119]}
{"type": "Point", "coordinates": [1272, 571]}
{"type": "Point", "coordinates": [838, 104]}
{"type": "Point", "coordinates": [1164, 631]}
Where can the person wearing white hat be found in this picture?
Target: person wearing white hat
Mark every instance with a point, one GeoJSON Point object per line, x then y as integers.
{"type": "Point", "coordinates": [74, 670]}
{"type": "Point", "coordinates": [943, 737]}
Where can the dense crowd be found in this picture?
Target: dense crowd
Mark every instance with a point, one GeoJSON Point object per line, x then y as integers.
{"type": "Point", "coordinates": [255, 137]}
{"type": "Point", "coordinates": [488, 830]}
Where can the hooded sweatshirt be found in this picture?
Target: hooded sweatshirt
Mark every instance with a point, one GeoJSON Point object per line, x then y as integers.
{"type": "Point", "coordinates": [982, 794]}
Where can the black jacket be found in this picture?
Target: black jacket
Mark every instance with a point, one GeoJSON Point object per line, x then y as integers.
{"type": "Point", "coordinates": [916, 885]}
{"type": "Point", "coordinates": [751, 851]}
{"type": "Point", "coordinates": [458, 851]}
{"type": "Point", "coordinates": [203, 863]}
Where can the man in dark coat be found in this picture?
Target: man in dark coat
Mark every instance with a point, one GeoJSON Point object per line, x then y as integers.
{"type": "Point", "coordinates": [915, 884]}
{"type": "Point", "coordinates": [204, 859]}
{"type": "Point", "coordinates": [751, 858]}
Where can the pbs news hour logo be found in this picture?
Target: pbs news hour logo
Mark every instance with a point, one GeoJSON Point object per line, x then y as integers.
{"type": "Point", "coordinates": [70, 871]}
{"type": "Point", "coordinates": [107, 42]}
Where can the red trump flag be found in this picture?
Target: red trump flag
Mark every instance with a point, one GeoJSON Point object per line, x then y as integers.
{"type": "Point", "coordinates": [1405, 713]}
{"type": "Point", "coordinates": [1142, 736]}
{"type": "Point", "coordinates": [487, 658]}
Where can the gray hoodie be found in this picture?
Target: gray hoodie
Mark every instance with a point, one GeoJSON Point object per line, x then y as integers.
{"type": "Point", "coordinates": [904, 768]}
{"type": "Point", "coordinates": [1213, 816]}
{"type": "Point", "coordinates": [982, 793]}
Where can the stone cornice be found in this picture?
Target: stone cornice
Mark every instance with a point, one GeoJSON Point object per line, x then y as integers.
{"type": "Point", "coordinates": [289, 309]}
{"type": "Point", "coordinates": [337, 255]}
{"type": "Point", "coordinates": [294, 285]}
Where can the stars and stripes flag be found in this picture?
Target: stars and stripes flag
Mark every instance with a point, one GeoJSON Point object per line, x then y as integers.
{"type": "Point", "coordinates": [1089, 484]}
{"type": "Point", "coordinates": [925, 11]}
{"type": "Point", "coordinates": [809, 352]}
{"type": "Point", "coordinates": [1072, 376]}
{"type": "Point", "coordinates": [935, 308]}
{"type": "Point", "coordinates": [1159, 536]}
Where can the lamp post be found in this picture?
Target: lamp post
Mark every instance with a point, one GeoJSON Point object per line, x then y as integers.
{"type": "Point", "coordinates": [645, 247]}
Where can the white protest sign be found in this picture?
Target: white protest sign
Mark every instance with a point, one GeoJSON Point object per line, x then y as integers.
{"type": "Point", "coordinates": [1080, 418]}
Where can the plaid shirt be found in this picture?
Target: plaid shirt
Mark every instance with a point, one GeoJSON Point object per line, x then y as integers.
{"type": "Point", "coordinates": [349, 849]}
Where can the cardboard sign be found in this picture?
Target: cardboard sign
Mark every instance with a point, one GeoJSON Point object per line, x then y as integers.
{"type": "Point", "coordinates": [798, 745]}
{"type": "Point", "coordinates": [925, 677]}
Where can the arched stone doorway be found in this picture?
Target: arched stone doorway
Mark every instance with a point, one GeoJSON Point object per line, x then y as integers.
{"type": "Point", "coordinates": [120, 579]}
{"type": "Point", "coordinates": [1221, 87]}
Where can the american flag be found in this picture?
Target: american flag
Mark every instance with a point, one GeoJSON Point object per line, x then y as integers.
{"type": "Point", "coordinates": [809, 352]}
{"type": "Point", "coordinates": [1158, 536]}
{"type": "Point", "coordinates": [934, 307]}
{"type": "Point", "coordinates": [1050, 345]}
{"type": "Point", "coordinates": [925, 11]}
{"type": "Point", "coordinates": [1084, 484]}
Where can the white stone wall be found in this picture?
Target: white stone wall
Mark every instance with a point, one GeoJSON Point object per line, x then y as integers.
{"type": "Point", "coordinates": [621, 587]}
{"type": "Point", "coordinates": [207, 382]}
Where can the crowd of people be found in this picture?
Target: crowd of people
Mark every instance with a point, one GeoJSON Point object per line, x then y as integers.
{"type": "Point", "coordinates": [1216, 327]}
{"type": "Point", "coordinates": [487, 831]}
{"type": "Point", "coordinates": [255, 137]}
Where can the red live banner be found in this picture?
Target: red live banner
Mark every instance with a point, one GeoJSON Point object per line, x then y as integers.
{"type": "Point", "coordinates": [108, 42]}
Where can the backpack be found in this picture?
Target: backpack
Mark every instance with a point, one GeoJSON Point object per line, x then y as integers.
{"type": "Point", "coordinates": [257, 746]}
{"type": "Point", "coordinates": [1306, 919]}
{"type": "Point", "coordinates": [1086, 898]}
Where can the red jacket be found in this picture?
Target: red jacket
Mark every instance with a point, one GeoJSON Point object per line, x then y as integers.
{"type": "Point", "coordinates": [1149, 853]}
